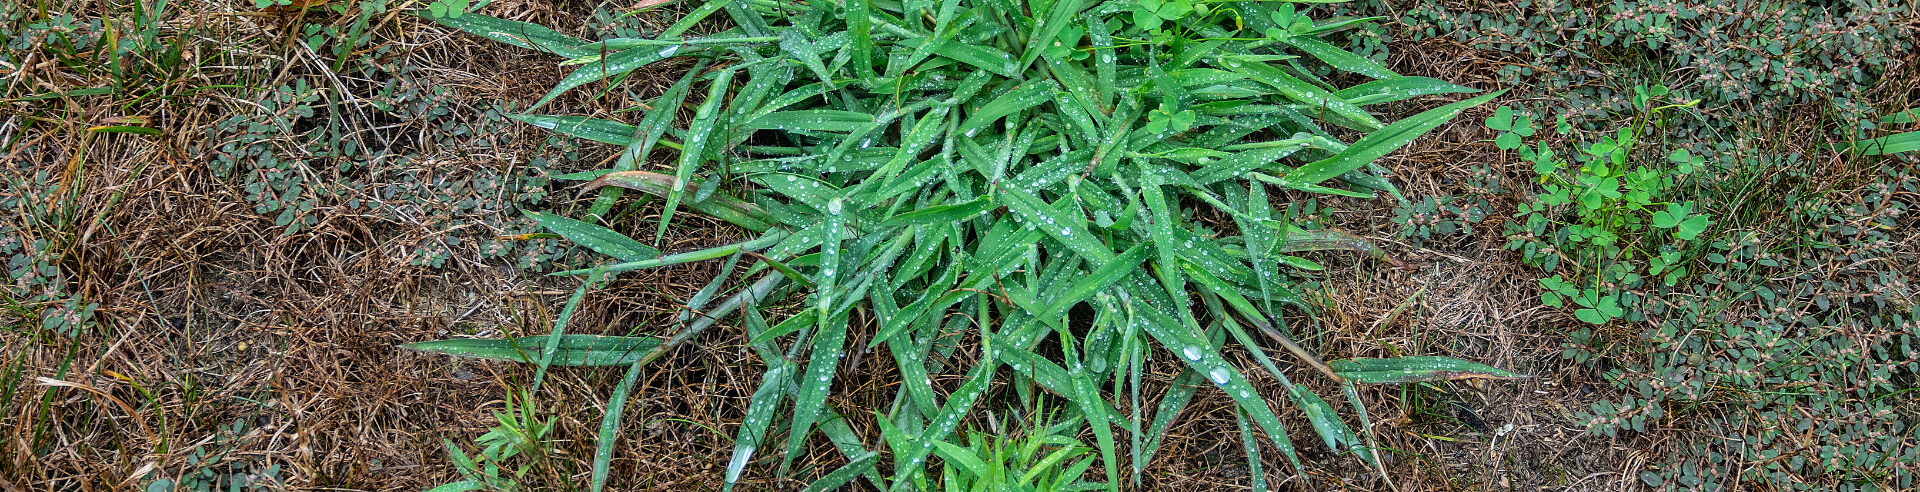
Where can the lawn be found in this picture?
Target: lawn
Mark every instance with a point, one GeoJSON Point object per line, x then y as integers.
{"type": "Point", "coordinates": [959, 245]}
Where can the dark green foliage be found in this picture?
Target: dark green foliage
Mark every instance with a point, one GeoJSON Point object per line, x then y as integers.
{"type": "Point", "coordinates": [1001, 183]}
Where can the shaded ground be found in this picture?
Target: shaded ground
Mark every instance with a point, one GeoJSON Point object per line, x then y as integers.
{"type": "Point", "coordinates": [227, 345]}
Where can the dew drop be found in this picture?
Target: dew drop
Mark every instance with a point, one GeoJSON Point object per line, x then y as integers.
{"type": "Point", "coordinates": [669, 50]}
{"type": "Point", "coordinates": [1218, 375]}
{"type": "Point", "coordinates": [1192, 353]}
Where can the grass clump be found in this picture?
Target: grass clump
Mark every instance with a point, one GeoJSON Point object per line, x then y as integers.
{"type": "Point", "coordinates": [1061, 189]}
{"type": "Point", "coordinates": [1015, 166]}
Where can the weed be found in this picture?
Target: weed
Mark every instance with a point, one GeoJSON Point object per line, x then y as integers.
{"type": "Point", "coordinates": [1605, 211]}
{"type": "Point", "coordinates": [519, 431]}
{"type": "Point", "coordinates": [1016, 167]}
{"type": "Point", "coordinates": [213, 468]}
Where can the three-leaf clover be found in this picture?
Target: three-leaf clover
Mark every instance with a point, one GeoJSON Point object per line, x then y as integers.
{"type": "Point", "coordinates": [1599, 309]}
{"type": "Point", "coordinates": [1065, 45]}
{"type": "Point", "coordinates": [1164, 118]}
{"type": "Point", "coordinates": [1511, 127]}
{"type": "Point", "coordinates": [1685, 162]}
{"type": "Point", "coordinates": [1686, 225]}
{"type": "Point", "coordinates": [1149, 13]}
{"type": "Point", "coordinates": [1557, 289]}
{"type": "Point", "coordinates": [1642, 95]}
{"type": "Point", "coordinates": [451, 9]}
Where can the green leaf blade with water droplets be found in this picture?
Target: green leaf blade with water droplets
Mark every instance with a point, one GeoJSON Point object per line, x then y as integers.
{"type": "Point", "coordinates": [599, 239]}
{"type": "Point", "coordinates": [613, 65]}
{"type": "Point", "coordinates": [595, 129]}
{"type": "Point", "coordinates": [572, 350]}
{"type": "Point", "coordinates": [1204, 360]}
{"type": "Point", "coordinates": [1380, 143]}
{"type": "Point", "coordinates": [522, 34]}
{"type": "Point", "coordinates": [1415, 369]}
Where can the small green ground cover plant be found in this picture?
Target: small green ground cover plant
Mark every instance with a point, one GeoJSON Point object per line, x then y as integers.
{"type": "Point", "coordinates": [1744, 326]}
{"type": "Point", "coordinates": [1603, 223]}
{"type": "Point", "coordinates": [1739, 298]}
{"type": "Point", "coordinates": [1009, 193]}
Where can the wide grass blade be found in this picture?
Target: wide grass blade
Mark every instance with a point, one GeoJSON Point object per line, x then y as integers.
{"type": "Point", "coordinates": [828, 342]}
{"type": "Point", "coordinates": [719, 205]}
{"type": "Point", "coordinates": [1303, 92]}
{"type": "Point", "coordinates": [1891, 144]}
{"type": "Point", "coordinates": [1415, 369]}
{"type": "Point", "coordinates": [1398, 89]}
{"type": "Point", "coordinates": [1205, 360]}
{"type": "Point", "coordinates": [760, 417]}
{"type": "Point", "coordinates": [600, 239]}
{"type": "Point", "coordinates": [677, 258]}
{"type": "Point", "coordinates": [572, 350]}
{"type": "Point", "coordinates": [693, 152]}
{"type": "Point", "coordinates": [613, 65]}
{"type": "Point", "coordinates": [522, 34]}
{"type": "Point", "coordinates": [658, 119]}
{"type": "Point", "coordinates": [940, 214]}
{"type": "Point", "coordinates": [1339, 58]}
{"type": "Point", "coordinates": [1380, 143]}
{"type": "Point", "coordinates": [595, 129]}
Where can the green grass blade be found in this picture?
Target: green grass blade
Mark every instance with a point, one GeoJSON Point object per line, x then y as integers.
{"type": "Point", "coordinates": [1028, 95]}
{"type": "Point", "coordinates": [812, 120]}
{"type": "Point", "coordinates": [847, 473]}
{"type": "Point", "coordinates": [791, 325]}
{"type": "Point", "coordinates": [572, 350]}
{"type": "Point", "coordinates": [860, 25]}
{"type": "Point", "coordinates": [958, 405]}
{"type": "Point", "coordinates": [552, 344]}
{"type": "Point", "coordinates": [1891, 144]}
{"type": "Point", "coordinates": [600, 239]}
{"type": "Point", "coordinates": [966, 458]}
{"type": "Point", "coordinates": [1399, 89]}
{"type": "Point", "coordinates": [828, 342]}
{"type": "Point", "coordinates": [1092, 406]}
{"type": "Point", "coordinates": [610, 424]}
{"type": "Point", "coordinates": [1184, 386]}
{"type": "Point", "coordinates": [1204, 359]}
{"type": "Point", "coordinates": [850, 446]}
{"type": "Point", "coordinates": [760, 416]}
{"type": "Point", "coordinates": [1378, 144]}
{"type": "Point", "coordinates": [522, 34]}
{"type": "Point", "coordinates": [719, 205]}
{"type": "Point", "coordinates": [1333, 432]}
{"type": "Point", "coordinates": [1303, 92]}
{"type": "Point", "coordinates": [1414, 369]}
{"type": "Point", "coordinates": [1339, 58]}
{"type": "Point", "coordinates": [1061, 14]}
{"type": "Point", "coordinates": [1166, 246]}
{"type": "Point", "coordinates": [1103, 277]}
{"type": "Point", "coordinates": [677, 258]}
{"type": "Point", "coordinates": [611, 66]}
{"type": "Point", "coordinates": [1064, 228]}
{"type": "Point", "coordinates": [595, 129]}
{"type": "Point", "coordinates": [940, 214]}
{"type": "Point", "coordinates": [695, 148]}
{"type": "Point", "coordinates": [994, 62]}
{"type": "Point", "coordinates": [808, 190]}
{"type": "Point", "coordinates": [1252, 447]}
